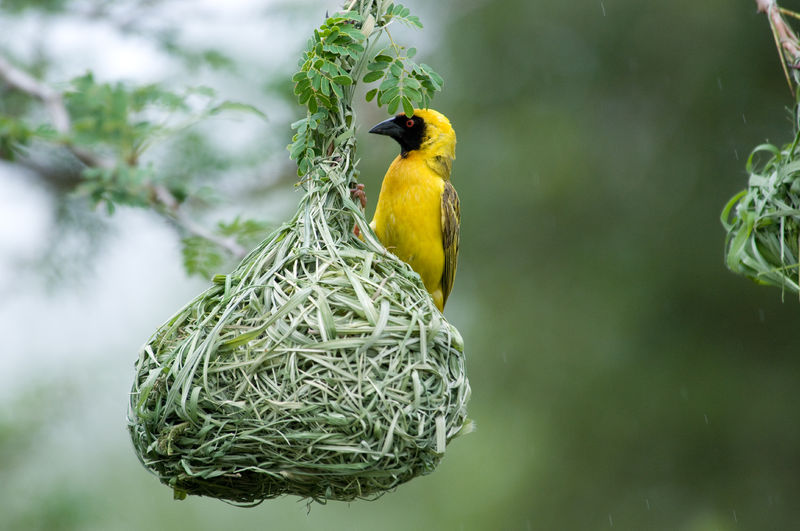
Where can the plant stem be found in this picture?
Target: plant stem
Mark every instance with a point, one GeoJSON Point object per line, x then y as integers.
{"type": "Point", "coordinates": [785, 39]}
{"type": "Point", "coordinates": [24, 82]}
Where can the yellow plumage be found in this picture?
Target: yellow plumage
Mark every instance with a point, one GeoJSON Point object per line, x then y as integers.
{"type": "Point", "coordinates": [418, 214]}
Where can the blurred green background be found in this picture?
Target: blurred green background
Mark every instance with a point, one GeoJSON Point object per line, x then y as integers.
{"type": "Point", "coordinates": [622, 377]}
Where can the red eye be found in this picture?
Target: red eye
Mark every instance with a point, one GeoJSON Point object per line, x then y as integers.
{"type": "Point", "coordinates": [409, 123]}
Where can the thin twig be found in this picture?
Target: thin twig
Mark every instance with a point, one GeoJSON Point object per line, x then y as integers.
{"type": "Point", "coordinates": [54, 103]}
{"type": "Point", "coordinates": [785, 39]}
{"type": "Point", "coordinates": [165, 202]}
{"type": "Point", "coordinates": [24, 82]}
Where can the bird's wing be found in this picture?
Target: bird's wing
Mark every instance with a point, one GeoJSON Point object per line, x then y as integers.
{"type": "Point", "coordinates": [451, 233]}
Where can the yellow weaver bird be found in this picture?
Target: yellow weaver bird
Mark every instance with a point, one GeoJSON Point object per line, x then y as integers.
{"type": "Point", "coordinates": [418, 216]}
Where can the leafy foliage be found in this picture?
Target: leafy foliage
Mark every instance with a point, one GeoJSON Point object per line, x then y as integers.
{"type": "Point", "coordinates": [110, 125]}
{"type": "Point", "coordinates": [322, 81]}
{"type": "Point", "coordinates": [335, 49]}
{"type": "Point", "coordinates": [120, 185]}
{"type": "Point", "coordinates": [323, 73]}
{"type": "Point", "coordinates": [126, 120]}
{"type": "Point", "coordinates": [402, 82]}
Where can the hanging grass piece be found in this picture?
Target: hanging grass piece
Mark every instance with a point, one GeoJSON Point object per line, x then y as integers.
{"type": "Point", "coordinates": [320, 366]}
{"type": "Point", "coordinates": [763, 221]}
{"type": "Point", "coordinates": [763, 235]}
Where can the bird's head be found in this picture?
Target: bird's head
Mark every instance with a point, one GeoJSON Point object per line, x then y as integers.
{"type": "Point", "coordinates": [428, 132]}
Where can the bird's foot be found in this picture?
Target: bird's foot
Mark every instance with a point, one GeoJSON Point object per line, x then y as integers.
{"type": "Point", "coordinates": [359, 193]}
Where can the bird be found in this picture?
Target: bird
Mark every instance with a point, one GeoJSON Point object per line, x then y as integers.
{"type": "Point", "coordinates": [418, 213]}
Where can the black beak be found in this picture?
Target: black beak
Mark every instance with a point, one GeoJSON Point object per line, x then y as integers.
{"type": "Point", "coordinates": [389, 128]}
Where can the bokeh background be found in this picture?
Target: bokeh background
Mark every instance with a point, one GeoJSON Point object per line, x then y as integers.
{"type": "Point", "coordinates": [622, 377]}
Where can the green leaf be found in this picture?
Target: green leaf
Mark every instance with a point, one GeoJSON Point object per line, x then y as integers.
{"type": "Point", "coordinates": [352, 15]}
{"type": "Point", "coordinates": [411, 82]}
{"type": "Point", "coordinates": [388, 83]}
{"type": "Point", "coordinates": [201, 90]}
{"type": "Point", "coordinates": [389, 95]}
{"type": "Point", "coordinates": [343, 80]}
{"type": "Point", "coordinates": [393, 105]}
{"type": "Point", "coordinates": [304, 166]}
{"type": "Point", "coordinates": [354, 49]}
{"type": "Point", "coordinates": [407, 107]}
{"type": "Point", "coordinates": [413, 94]}
{"type": "Point", "coordinates": [372, 76]}
{"type": "Point", "coordinates": [217, 60]}
{"type": "Point", "coordinates": [330, 68]}
{"type": "Point", "coordinates": [295, 149]}
{"type": "Point", "coordinates": [334, 31]}
{"type": "Point", "coordinates": [436, 78]}
{"type": "Point", "coordinates": [371, 94]}
{"type": "Point", "coordinates": [324, 100]}
{"type": "Point", "coordinates": [377, 66]}
{"type": "Point", "coordinates": [352, 32]}
{"type": "Point", "coordinates": [227, 106]}
{"type": "Point", "coordinates": [302, 86]}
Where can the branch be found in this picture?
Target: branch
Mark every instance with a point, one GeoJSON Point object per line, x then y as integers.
{"type": "Point", "coordinates": [163, 200]}
{"type": "Point", "coordinates": [54, 102]}
{"type": "Point", "coordinates": [24, 82]}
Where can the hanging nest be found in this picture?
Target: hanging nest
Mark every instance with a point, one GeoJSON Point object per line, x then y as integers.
{"type": "Point", "coordinates": [763, 235]}
{"type": "Point", "coordinates": [763, 221]}
{"type": "Point", "coordinates": [319, 367]}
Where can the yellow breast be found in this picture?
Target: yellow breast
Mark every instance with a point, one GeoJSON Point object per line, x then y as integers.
{"type": "Point", "coordinates": [408, 217]}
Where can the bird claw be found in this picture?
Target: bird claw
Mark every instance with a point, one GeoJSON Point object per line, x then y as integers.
{"type": "Point", "coordinates": [359, 193]}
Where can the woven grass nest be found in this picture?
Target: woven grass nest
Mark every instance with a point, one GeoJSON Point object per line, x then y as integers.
{"type": "Point", "coordinates": [763, 221]}
{"type": "Point", "coordinates": [319, 367]}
